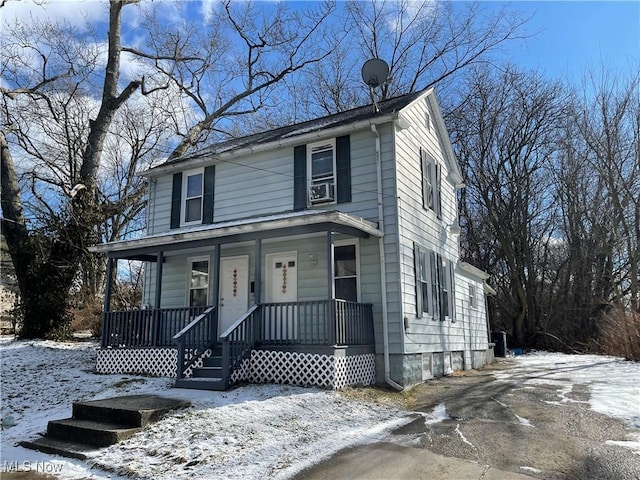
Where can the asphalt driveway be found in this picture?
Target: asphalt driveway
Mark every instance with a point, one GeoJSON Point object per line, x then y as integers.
{"type": "Point", "coordinates": [495, 430]}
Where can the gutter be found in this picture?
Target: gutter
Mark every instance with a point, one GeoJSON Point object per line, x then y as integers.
{"type": "Point", "coordinates": [383, 270]}
{"type": "Point", "coordinates": [204, 158]}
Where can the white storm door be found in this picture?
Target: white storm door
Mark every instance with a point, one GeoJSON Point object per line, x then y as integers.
{"type": "Point", "coordinates": [281, 287]}
{"type": "Point", "coordinates": [234, 290]}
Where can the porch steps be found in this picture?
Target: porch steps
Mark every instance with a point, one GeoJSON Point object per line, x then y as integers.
{"type": "Point", "coordinates": [100, 423]}
{"type": "Point", "coordinates": [208, 376]}
{"type": "Point", "coordinates": [201, 383]}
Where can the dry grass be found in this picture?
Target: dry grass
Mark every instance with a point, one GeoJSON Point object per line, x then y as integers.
{"type": "Point", "coordinates": [620, 333]}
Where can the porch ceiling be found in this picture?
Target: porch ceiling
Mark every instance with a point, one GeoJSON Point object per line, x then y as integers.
{"type": "Point", "coordinates": [288, 224]}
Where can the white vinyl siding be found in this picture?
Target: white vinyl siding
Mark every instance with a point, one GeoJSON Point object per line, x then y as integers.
{"type": "Point", "coordinates": [427, 227]}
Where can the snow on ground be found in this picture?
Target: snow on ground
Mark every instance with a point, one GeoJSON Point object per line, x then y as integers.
{"type": "Point", "coordinates": [614, 383]}
{"type": "Point", "coordinates": [256, 431]}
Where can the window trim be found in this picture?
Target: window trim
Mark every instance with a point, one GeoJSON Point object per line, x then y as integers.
{"type": "Point", "coordinates": [334, 178]}
{"type": "Point", "coordinates": [345, 243]}
{"type": "Point", "coordinates": [431, 171]}
{"type": "Point", "coordinates": [473, 296]}
{"type": "Point", "coordinates": [183, 200]}
{"type": "Point", "coordinates": [190, 262]}
{"type": "Point", "coordinates": [438, 271]}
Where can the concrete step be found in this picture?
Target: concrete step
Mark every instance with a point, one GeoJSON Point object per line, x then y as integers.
{"type": "Point", "coordinates": [216, 384]}
{"type": "Point", "coordinates": [133, 410]}
{"type": "Point", "coordinates": [63, 448]}
{"type": "Point", "coordinates": [89, 432]}
{"type": "Point", "coordinates": [100, 423]}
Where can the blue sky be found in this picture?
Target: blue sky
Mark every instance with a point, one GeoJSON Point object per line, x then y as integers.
{"type": "Point", "coordinates": [577, 35]}
{"type": "Point", "coordinates": [572, 35]}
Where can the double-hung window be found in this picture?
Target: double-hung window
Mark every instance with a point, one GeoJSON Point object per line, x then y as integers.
{"type": "Point", "coordinates": [192, 196]}
{"type": "Point", "coordinates": [434, 285]}
{"type": "Point", "coordinates": [198, 278]}
{"type": "Point", "coordinates": [321, 168]}
{"type": "Point", "coordinates": [473, 302]}
{"type": "Point", "coordinates": [431, 183]}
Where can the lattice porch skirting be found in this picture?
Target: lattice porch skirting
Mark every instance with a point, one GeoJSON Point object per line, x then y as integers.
{"type": "Point", "coordinates": [157, 362]}
{"type": "Point", "coordinates": [307, 369]}
{"type": "Point", "coordinates": [264, 366]}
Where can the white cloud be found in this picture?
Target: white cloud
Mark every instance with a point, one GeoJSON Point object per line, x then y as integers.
{"type": "Point", "coordinates": [73, 11]}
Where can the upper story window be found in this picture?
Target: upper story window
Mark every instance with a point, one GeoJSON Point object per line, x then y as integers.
{"type": "Point", "coordinates": [431, 183]}
{"type": "Point", "coordinates": [192, 195]}
{"type": "Point", "coordinates": [192, 191]}
{"type": "Point", "coordinates": [321, 168]}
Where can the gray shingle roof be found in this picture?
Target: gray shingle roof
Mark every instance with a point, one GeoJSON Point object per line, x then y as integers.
{"type": "Point", "coordinates": [361, 113]}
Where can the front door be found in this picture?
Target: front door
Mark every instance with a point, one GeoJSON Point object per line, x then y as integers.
{"type": "Point", "coordinates": [282, 288]}
{"type": "Point", "coordinates": [234, 290]}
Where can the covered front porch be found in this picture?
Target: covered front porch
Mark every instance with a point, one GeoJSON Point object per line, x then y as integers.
{"type": "Point", "coordinates": [263, 315]}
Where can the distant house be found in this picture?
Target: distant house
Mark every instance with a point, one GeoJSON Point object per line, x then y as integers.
{"type": "Point", "coordinates": [323, 253]}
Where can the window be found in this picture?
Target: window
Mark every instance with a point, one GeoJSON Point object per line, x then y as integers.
{"type": "Point", "coordinates": [345, 257]}
{"type": "Point", "coordinates": [434, 285]}
{"type": "Point", "coordinates": [423, 278]}
{"type": "Point", "coordinates": [198, 278]}
{"type": "Point", "coordinates": [473, 302]}
{"type": "Point", "coordinates": [431, 183]}
{"type": "Point", "coordinates": [192, 195]}
{"type": "Point", "coordinates": [322, 172]}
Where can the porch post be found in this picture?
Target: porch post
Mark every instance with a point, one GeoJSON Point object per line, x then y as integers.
{"type": "Point", "coordinates": [157, 315]}
{"type": "Point", "coordinates": [159, 262]}
{"type": "Point", "coordinates": [257, 285]}
{"type": "Point", "coordinates": [330, 266]}
{"type": "Point", "coordinates": [111, 266]}
{"type": "Point", "coordinates": [216, 291]}
{"type": "Point", "coordinates": [331, 304]}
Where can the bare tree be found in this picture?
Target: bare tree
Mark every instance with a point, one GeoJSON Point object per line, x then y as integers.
{"type": "Point", "coordinates": [79, 152]}
{"type": "Point", "coordinates": [504, 132]}
{"type": "Point", "coordinates": [424, 42]}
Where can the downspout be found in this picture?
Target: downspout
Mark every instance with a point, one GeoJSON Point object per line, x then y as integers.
{"type": "Point", "coordinates": [383, 270]}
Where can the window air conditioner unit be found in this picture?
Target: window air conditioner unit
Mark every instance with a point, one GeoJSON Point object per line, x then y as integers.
{"type": "Point", "coordinates": [321, 192]}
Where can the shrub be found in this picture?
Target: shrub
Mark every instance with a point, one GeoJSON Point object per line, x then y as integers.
{"type": "Point", "coordinates": [619, 333]}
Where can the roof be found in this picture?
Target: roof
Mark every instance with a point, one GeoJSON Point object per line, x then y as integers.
{"type": "Point", "coordinates": [385, 108]}
{"type": "Point", "coordinates": [263, 226]}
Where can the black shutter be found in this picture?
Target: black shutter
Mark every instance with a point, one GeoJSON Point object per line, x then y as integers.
{"type": "Point", "coordinates": [209, 182]}
{"type": "Point", "coordinates": [300, 177]}
{"type": "Point", "coordinates": [176, 200]}
{"type": "Point", "coordinates": [343, 167]}
{"type": "Point", "coordinates": [416, 261]}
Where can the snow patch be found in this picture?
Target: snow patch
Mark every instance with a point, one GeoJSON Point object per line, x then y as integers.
{"type": "Point", "coordinates": [438, 415]}
{"type": "Point", "coordinates": [530, 469]}
{"type": "Point", "coordinates": [523, 421]}
{"type": "Point", "coordinates": [464, 439]}
{"type": "Point", "coordinates": [254, 431]}
{"type": "Point", "coordinates": [613, 382]}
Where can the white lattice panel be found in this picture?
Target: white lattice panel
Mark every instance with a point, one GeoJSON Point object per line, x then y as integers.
{"type": "Point", "coordinates": [241, 374]}
{"type": "Point", "coordinates": [307, 369]}
{"type": "Point", "coordinates": [159, 362]}
{"type": "Point", "coordinates": [355, 370]}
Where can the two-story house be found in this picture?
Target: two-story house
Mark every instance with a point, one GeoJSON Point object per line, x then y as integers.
{"type": "Point", "coordinates": [324, 253]}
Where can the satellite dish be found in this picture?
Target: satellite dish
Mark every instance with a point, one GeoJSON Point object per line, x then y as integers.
{"type": "Point", "coordinates": [375, 72]}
